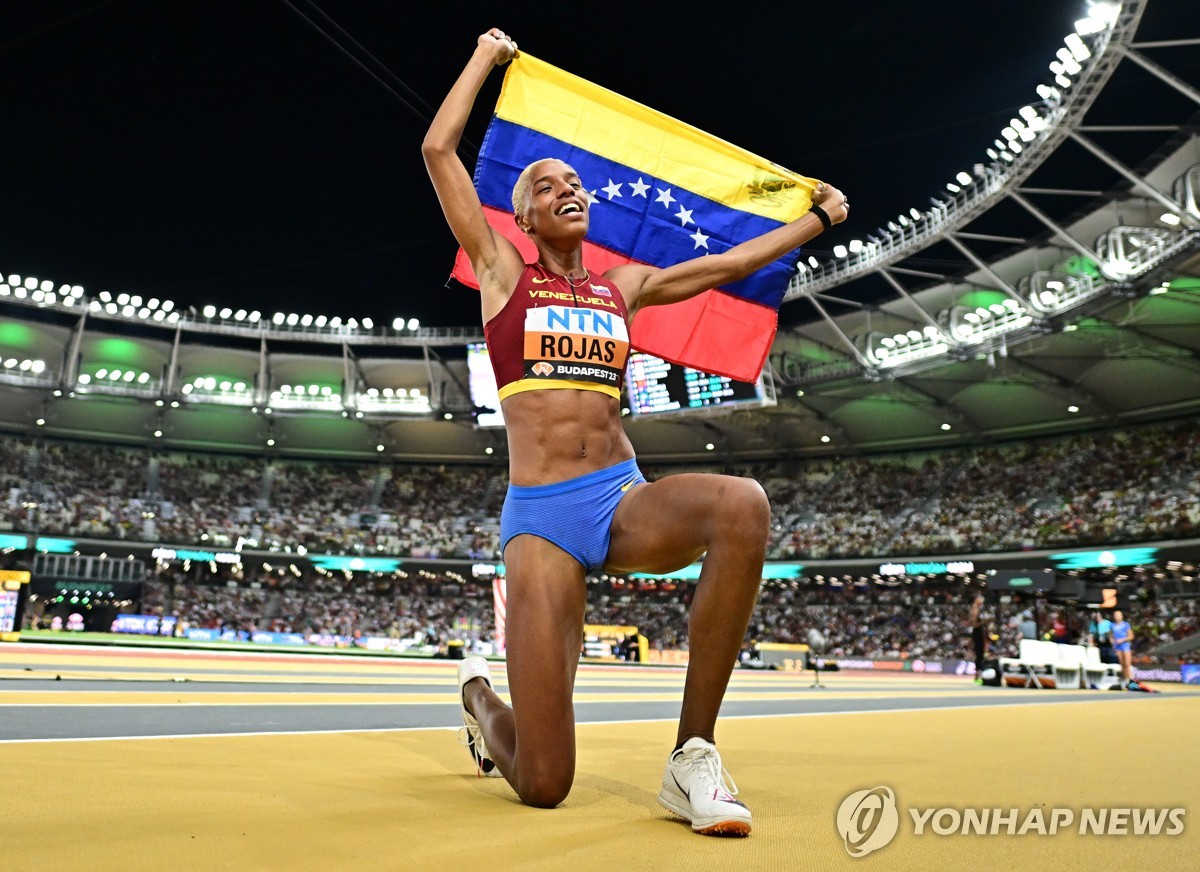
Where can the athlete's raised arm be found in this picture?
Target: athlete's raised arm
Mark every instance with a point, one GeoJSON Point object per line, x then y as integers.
{"type": "Point", "coordinates": [496, 261]}
{"type": "Point", "coordinates": [650, 286]}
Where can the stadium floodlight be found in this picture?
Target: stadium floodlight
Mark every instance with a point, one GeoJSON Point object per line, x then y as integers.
{"type": "Point", "coordinates": [128, 311]}
{"type": "Point", "coordinates": [946, 426]}
{"type": "Point", "coordinates": [825, 439]}
{"type": "Point", "coordinates": [158, 434]}
{"type": "Point", "coordinates": [85, 379]}
{"type": "Point", "coordinates": [915, 213]}
{"type": "Point", "coordinates": [813, 262]}
{"type": "Point", "coordinates": [239, 315]}
{"type": "Point", "coordinates": [379, 447]}
{"type": "Point", "coordinates": [5, 290]}
{"type": "Point", "coordinates": [856, 246]}
{"type": "Point", "coordinates": [414, 324]}
{"type": "Point", "coordinates": [143, 378]}
{"type": "Point", "coordinates": [903, 219]}
{"type": "Point", "coordinates": [1088, 26]}
{"type": "Point", "coordinates": [167, 305]}
{"type": "Point", "coordinates": [135, 300]}
{"type": "Point", "coordinates": [397, 324]}
{"type": "Point", "coordinates": [952, 188]}
{"type": "Point", "coordinates": [152, 303]}
{"type": "Point", "coordinates": [226, 313]}
{"type": "Point", "coordinates": [1063, 81]}
{"type": "Point", "coordinates": [839, 251]}
{"type": "Point", "coordinates": [1072, 409]}
{"type": "Point", "coordinates": [31, 283]}
{"type": "Point", "coordinates": [278, 318]}
{"type": "Point", "coordinates": [963, 179]}
{"type": "Point", "coordinates": [368, 324]}
{"type": "Point", "coordinates": [292, 319]}
{"type": "Point", "coordinates": [1005, 156]}
{"type": "Point", "coordinates": [321, 320]}
{"type": "Point", "coordinates": [209, 311]}
{"type": "Point", "coordinates": [306, 321]}
{"type": "Point", "coordinates": [159, 315]}
{"type": "Point", "coordinates": [46, 285]}
{"type": "Point", "coordinates": [255, 317]}
{"type": "Point", "coordinates": [41, 422]}
{"type": "Point", "coordinates": [891, 225]}
{"type": "Point", "coordinates": [335, 322]}
{"type": "Point", "coordinates": [1169, 218]}
{"type": "Point", "coordinates": [1015, 147]}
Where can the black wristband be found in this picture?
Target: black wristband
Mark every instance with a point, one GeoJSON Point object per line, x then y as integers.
{"type": "Point", "coordinates": [820, 213]}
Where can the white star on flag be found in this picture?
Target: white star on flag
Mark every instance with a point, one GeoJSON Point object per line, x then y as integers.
{"type": "Point", "coordinates": [613, 189]}
{"type": "Point", "coordinates": [664, 197]}
{"type": "Point", "coordinates": [684, 216]}
{"type": "Point", "coordinates": [639, 187]}
{"type": "Point", "coordinates": [700, 239]}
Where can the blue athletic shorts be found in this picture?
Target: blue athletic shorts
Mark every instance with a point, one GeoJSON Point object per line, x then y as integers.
{"type": "Point", "coordinates": [1121, 646]}
{"type": "Point", "coordinates": [576, 514]}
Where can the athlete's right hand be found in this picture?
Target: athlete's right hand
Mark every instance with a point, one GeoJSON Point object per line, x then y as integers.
{"type": "Point", "coordinates": [502, 46]}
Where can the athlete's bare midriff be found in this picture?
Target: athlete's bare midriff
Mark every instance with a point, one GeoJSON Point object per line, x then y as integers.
{"type": "Point", "coordinates": [554, 435]}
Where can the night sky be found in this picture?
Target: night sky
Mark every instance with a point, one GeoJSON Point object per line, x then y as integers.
{"type": "Point", "coordinates": [224, 152]}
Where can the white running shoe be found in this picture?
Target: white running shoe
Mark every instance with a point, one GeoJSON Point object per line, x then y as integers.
{"type": "Point", "coordinates": [469, 735]}
{"type": "Point", "coordinates": [697, 787]}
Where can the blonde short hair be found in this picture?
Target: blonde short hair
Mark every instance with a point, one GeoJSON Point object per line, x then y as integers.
{"type": "Point", "coordinates": [520, 193]}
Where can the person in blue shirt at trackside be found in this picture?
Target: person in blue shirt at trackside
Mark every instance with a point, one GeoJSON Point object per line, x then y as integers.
{"type": "Point", "coordinates": [1100, 631]}
{"type": "Point", "coordinates": [1122, 639]}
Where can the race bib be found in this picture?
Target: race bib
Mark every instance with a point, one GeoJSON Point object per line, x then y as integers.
{"type": "Point", "coordinates": [564, 342]}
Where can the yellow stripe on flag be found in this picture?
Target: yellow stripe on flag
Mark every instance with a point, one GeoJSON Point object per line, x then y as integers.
{"type": "Point", "coordinates": [551, 101]}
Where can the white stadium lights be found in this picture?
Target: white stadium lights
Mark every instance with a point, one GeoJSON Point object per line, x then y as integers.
{"type": "Point", "coordinates": [225, 313]}
{"type": "Point", "coordinates": [963, 179]}
{"type": "Point", "coordinates": [914, 213]}
{"type": "Point", "coordinates": [855, 246]}
{"type": "Point", "coordinates": [952, 188]}
{"type": "Point", "coordinates": [210, 311]}
{"type": "Point", "coordinates": [839, 251]}
{"type": "Point", "coordinates": [368, 324]}
{"type": "Point", "coordinates": [813, 262]}
{"type": "Point", "coordinates": [306, 321]}
{"type": "Point", "coordinates": [278, 318]}
{"type": "Point", "coordinates": [1169, 218]}
{"type": "Point", "coordinates": [292, 319]}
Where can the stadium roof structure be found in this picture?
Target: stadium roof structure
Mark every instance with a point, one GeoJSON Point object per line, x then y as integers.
{"type": "Point", "coordinates": [1052, 286]}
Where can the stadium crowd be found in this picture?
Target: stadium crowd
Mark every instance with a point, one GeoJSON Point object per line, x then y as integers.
{"type": "Point", "coordinates": [1091, 488]}
{"type": "Point", "coordinates": [1107, 487]}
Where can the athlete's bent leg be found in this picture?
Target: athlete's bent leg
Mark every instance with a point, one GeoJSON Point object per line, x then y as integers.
{"type": "Point", "coordinates": [533, 742]}
{"type": "Point", "coordinates": [668, 524]}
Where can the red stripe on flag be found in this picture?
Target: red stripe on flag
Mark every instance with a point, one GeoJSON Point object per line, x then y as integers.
{"type": "Point", "coordinates": [714, 332]}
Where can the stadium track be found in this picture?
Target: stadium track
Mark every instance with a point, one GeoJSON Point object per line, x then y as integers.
{"type": "Point", "coordinates": [118, 758]}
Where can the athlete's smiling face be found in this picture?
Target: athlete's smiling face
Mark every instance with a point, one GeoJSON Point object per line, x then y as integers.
{"type": "Point", "coordinates": [557, 203]}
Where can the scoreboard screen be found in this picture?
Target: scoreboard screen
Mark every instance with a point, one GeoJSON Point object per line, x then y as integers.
{"type": "Point", "coordinates": [656, 386]}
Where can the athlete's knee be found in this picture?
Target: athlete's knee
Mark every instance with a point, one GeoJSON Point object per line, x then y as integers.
{"type": "Point", "coordinates": [546, 786]}
{"type": "Point", "coordinates": [745, 511]}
